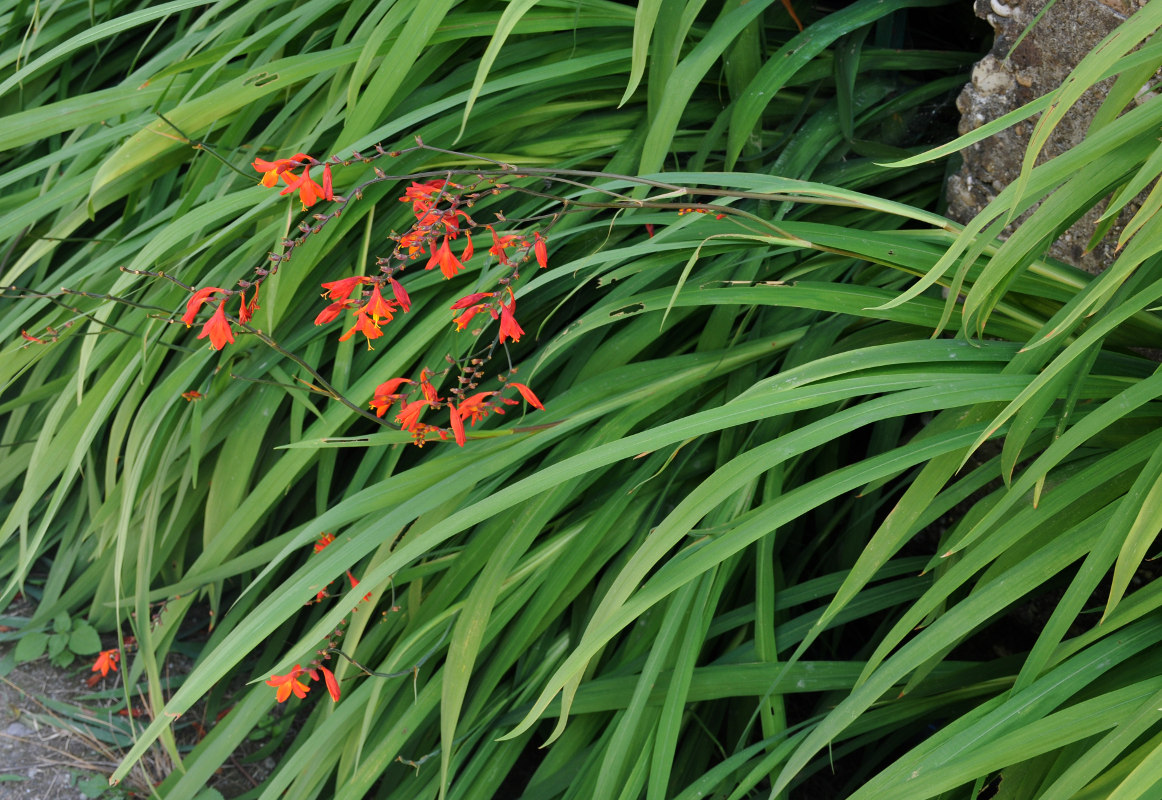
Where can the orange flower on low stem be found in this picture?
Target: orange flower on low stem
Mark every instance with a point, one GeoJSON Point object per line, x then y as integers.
{"type": "Point", "coordinates": [107, 660]}
{"type": "Point", "coordinates": [289, 684]}
{"type": "Point", "coordinates": [463, 320]}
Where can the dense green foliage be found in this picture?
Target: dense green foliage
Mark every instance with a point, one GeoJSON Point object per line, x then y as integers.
{"type": "Point", "coordinates": [769, 536]}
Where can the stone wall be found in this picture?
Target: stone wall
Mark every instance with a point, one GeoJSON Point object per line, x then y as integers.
{"type": "Point", "coordinates": [1060, 39]}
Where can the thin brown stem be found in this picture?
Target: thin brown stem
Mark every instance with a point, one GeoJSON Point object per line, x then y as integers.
{"type": "Point", "coordinates": [402, 673]}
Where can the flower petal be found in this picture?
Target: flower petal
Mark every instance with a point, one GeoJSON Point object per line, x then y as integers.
{"type": "Point", "coordinates": [457, 425]}
{"type": "Point", "coordinates": [527, 394]}
{"type": "Point", "coordinates": [332, 683]}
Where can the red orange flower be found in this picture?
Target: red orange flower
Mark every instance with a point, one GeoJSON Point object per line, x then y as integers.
{"type": "Point", "coordinates": [218, 329]}
{"type": "Point", "coordinates": [196, 301]}
{"type": "Point", "coordinates": [106, 660]}
{"type": "Point", "coordinates": [409, 416]}
{"type": "Point", "coordinates": [250, 309]}
{"type": "Point", "coordinates": [288, 684]}
{"type": "Point", "coordinates": [329, 679]}
{"type": "Point", "coordinates": [469, 300]}
{"type": "Point", "coordinates": [332, 312]}
{"type": "Point", "coordinates": [386, 394]}
{"type": "Point", "coordinates": [457, 425]}
{"type": "Point", "coordinates": [342, 288]}
{"type": "Point", "coordinates": [420, 195]}
{"type": "Point", "coordinates": [527, 394]}
{"type": "Point", "coordinates": [309, 191]}
{"type": "Point", "coordinates": [378, 307]}
{"type": "Point", "coordinates": [500, 244]}
{"type": "Point", "coordinates": [365, 325]}
{"type": "Point", "coordinates": [426, 388]}
{"type": "Point", "coordinates": [509, 328]}
{"type": "Point", "coordinates": [272, 170]}
{"type": "Point", "coordinates": [444, 259]}
{"type": "Point", "coordinates": [476, 407]}
{"type": "Point", "coordinates": [245, 312]}
{"type": "Point", "coordinates": [401, 295]}
{"type": "Point", "coordinates": [541, 250]}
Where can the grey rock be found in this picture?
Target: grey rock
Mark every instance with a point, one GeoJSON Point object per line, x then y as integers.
{"type": "Point", "coordinates": [1003, 82]}
{"type": "Point", "coordinates": [17, 729]}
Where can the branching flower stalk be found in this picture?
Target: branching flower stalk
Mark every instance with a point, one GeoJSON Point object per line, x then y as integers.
{"type": "Point", "coordinates": [441, 237]}
{"type": "Point", "coordinates": [441, 203]}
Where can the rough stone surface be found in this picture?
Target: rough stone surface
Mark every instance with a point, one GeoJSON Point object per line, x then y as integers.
{"type": "Point", "coordinates": [1039, 64]}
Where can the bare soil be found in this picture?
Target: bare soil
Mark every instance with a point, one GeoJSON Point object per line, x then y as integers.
{"type": "Point", "coordinates": [41, 758]}
{"type": "Point", "coordinates": [55, 737]}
